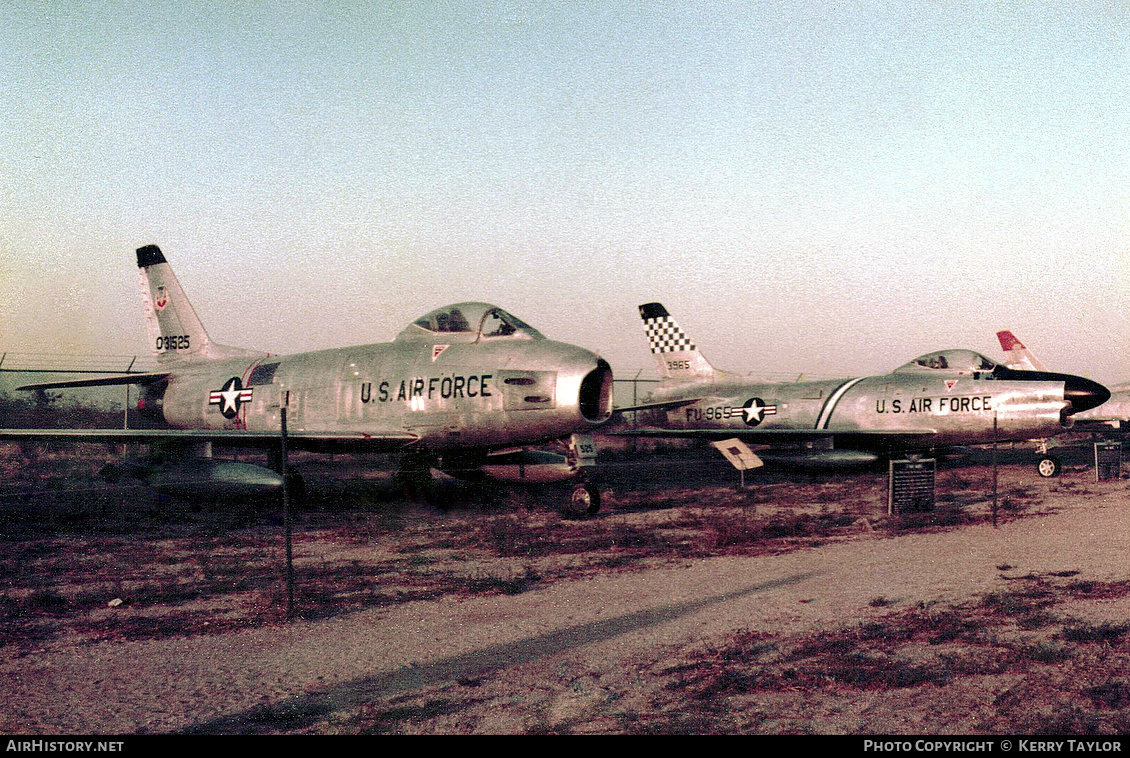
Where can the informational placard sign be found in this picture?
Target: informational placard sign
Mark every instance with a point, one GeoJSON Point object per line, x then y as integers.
{"type": "Point", "coordinates": [1108, 461]}
{"type": "Point", "coordinates": [911, 486]}
{"type": "Point", "coordinates": [739, 455]}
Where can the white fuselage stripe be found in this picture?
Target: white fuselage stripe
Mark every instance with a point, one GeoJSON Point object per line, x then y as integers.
{"type": "Point", "coordinates": [826, 413]}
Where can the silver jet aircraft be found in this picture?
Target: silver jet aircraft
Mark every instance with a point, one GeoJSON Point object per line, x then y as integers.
{"type": "Point", "coordinates": [1111, 416]}
{"type": "Point", "coordinates": [947, 398]}
{"type": "Point", "coordinates": [465, 388]}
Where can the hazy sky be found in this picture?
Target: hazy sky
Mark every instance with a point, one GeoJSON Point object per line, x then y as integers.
{"type": "Point", "coordinates": [831, 188]}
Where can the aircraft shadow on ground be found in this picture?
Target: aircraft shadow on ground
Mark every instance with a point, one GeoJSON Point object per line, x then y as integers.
{"type": "Point", "coordinates": [308, 709]}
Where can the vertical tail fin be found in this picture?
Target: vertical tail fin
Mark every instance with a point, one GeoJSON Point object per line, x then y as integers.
{"type": "Point", "coordinates": [175, 331]}
{"type": "Point", "coordinates": [1016, 355]}
{"type": "Point", "coordinates": [676, 356]}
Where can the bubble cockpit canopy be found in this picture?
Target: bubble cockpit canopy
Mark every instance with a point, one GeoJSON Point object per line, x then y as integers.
{"type": "Point", "coordinates": [468, 322]}
{"type": "Point", "coordinates": [949, 361]}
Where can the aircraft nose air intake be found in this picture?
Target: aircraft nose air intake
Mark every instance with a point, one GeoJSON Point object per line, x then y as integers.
{"type": "Point", "coordinates": [596, 394]}
{"type": "Point", "coordinates": [1083, 394]}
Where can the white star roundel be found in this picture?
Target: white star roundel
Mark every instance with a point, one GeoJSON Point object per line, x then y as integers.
{"type": "Point", "coordinates": [755, 410]}
{"type": "Point", "coordinates": [230, 397]}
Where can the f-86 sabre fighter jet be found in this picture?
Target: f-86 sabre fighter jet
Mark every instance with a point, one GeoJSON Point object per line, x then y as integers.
{"type": "Point", "coordinates": [942, 399]}
{"type": "Point", "coordinates": [467, 388]}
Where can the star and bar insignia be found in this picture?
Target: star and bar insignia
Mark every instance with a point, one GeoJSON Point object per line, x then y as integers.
{"type": "Point", "coordinates": [230, 397]}
{"type": "Point", "coordinates": [755, 410]}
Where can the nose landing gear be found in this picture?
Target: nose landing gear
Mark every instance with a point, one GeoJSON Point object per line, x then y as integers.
{"type": "Point", "coordinates": [1048, 466]}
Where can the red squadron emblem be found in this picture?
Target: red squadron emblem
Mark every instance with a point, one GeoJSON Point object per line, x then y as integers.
{"type": "Point", "coordinates": [162, 298]}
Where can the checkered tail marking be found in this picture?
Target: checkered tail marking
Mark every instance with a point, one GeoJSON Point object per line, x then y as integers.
{"type": "Point", "coordinates": [665, 336]}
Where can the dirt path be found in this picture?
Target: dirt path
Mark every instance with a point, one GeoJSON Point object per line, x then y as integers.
{"type": "Point", "coordinates": [548, 655]}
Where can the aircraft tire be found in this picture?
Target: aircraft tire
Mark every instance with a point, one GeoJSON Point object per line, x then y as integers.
{"type": "Point", "coordinates": [584, 500]}
{"type": "Point", "coordinates": [1049, 466]}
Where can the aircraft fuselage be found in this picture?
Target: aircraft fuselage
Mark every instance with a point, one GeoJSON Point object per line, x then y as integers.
{"type": "Point", "coordinates": [453, 396]}
{"type": "Point", "coordinates": [946, 410]}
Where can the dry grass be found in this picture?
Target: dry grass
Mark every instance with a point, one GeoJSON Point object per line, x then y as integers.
{"type": "Point", "coordinates": [82, 562]}
{"type": "Point", "coordinates": [967, 668]}
{"type": "Point", "coordinates": [71, 545]}
{"type": "Point", "coordinates": [981, 666]}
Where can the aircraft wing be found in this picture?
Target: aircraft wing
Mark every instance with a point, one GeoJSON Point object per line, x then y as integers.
{"type": "Point", "coordinates": [343, 442]}
{"type": "Point", "coordinates": [769, 435]}
{"type": "Point", "coordinates": [804, 447]}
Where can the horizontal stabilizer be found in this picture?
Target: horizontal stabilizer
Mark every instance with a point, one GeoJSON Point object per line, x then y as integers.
{"type": "Point", "coordinates": [104, 381]}
{"type": "Point", "coordinates": [668, 405]}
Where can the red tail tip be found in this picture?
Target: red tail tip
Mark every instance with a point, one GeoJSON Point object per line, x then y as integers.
{"type": "Point", "coordinates": [1008, 341]}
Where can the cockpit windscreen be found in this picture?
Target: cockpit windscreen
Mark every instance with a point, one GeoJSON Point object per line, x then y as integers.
{"type": "Point", "coordinates": [471, 321]}
{"type": "Point", "coordinates": [952, 361]}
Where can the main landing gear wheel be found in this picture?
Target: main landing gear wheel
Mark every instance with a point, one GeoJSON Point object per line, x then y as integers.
{"type": "Point", "coordinates": [584, 500]}
{"type": "Point", "coordinates": [1049, 466]}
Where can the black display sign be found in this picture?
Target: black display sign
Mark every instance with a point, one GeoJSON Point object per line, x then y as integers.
{"type": "Point", "coordinates": [1108, 460]}
{"type": "Point", "coordinates": [911, 486]}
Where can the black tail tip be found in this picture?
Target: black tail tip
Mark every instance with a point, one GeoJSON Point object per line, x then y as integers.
{"type": "Point", "coordinates": [150, 255]}
{"type": "Point", "coordinates": [652, 310]}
